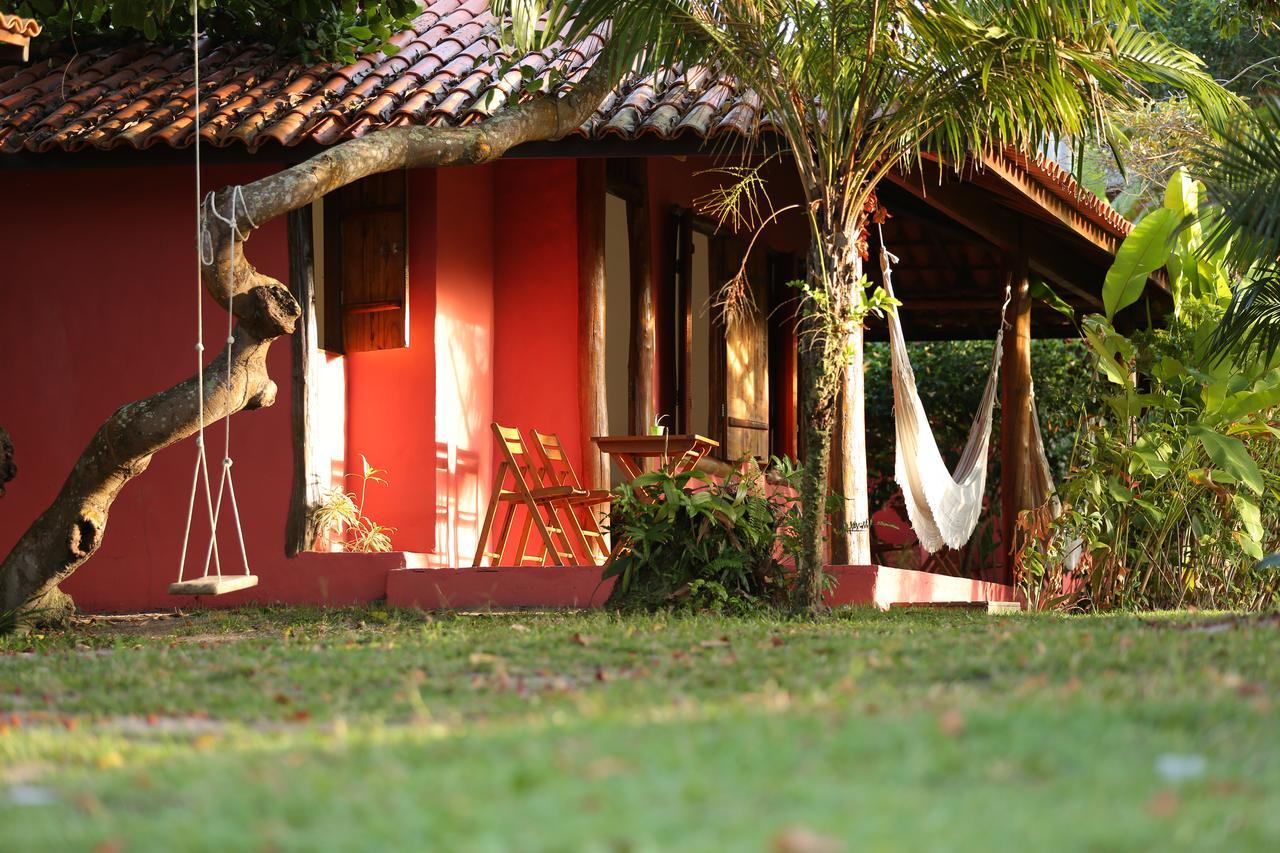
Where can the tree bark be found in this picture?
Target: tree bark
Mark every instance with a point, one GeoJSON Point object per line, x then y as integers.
{"type": "Point", "coordinates": [72, 528]}
{"type": "Point", "coordinates": [300, 534]}
{"type": "Point", "coordinates": [829, 340]}
{"type": "Point", "coordinates": [8, 468]}
{"type": "Point", "coordinates": [851, 532]}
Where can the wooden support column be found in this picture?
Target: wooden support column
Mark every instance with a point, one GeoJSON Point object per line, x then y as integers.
{"type": "Point", "coordinates": [299, 534]}
{"type": "Point", "coordinates": [1015, 414]}
{"type": "Point", "coordinates": [851, 528]}
{"type": "Point", "coordinates": [593, 399]}
{"type": "Point", "coordinates": [642, 362]}
{"type": "Point", "coordinates": [684, 321]}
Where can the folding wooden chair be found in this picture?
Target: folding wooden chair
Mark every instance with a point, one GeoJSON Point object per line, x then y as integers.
{"type": "Point", "coordinates": [556, 471]}
{"type": "Point", "coordinates": [525, 491]}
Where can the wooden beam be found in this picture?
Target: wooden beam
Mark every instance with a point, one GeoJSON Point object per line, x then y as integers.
{"type": "Point", "coordinates": [684, 317]}
{"type": "Point", "coordinates": [593, 405]}
{"type": "Point", "coordinates": [642, 361]}
{"type": "Point", "coordinates": [1016, 176]}
{"type": "Point", "coordinates": [1048, 256]}
{"type": "Point", "coordinates": [1015, 414]}
{"type": "Point", "coordinates": [299, 534]}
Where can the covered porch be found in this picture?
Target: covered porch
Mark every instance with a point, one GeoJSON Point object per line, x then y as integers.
{"type": "Point", "coordinates": [599, 319]}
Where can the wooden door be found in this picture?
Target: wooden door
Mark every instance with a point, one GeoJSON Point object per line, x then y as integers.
{"type": "Point", "coordinates": [746, 360]}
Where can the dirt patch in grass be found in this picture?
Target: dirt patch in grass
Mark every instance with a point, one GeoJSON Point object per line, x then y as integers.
{"type": "Point", "coordinates": [173, 626]}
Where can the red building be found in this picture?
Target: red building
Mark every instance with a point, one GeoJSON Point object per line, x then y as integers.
{"type": "Point", "coordinates": [445, 299]}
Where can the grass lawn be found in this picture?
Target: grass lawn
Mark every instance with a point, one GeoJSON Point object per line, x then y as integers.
{"type": "Point", "coordinates": [376, 729]}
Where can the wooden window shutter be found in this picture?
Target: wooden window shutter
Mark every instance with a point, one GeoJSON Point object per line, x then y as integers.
{"type": "Point", "coordinates": [368, 230]}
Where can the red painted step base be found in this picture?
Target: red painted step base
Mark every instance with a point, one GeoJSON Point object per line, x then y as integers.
{"type": "Point", "coordinates": [580, 586]}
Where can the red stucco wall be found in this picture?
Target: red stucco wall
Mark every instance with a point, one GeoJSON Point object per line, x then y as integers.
{"type": "Point", "coordinates": [97, 290]}
{"type": "Point", "coordinates": [536, 299]}
{"type": "Point", "coordinates": [97, 308]}
{"type": "Point", "coordinates": [391, 394]}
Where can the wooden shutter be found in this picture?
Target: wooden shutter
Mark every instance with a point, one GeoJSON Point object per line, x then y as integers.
{"type": "Point", "coordinates": [747, 367]}
{"type": "Point", "coordinates": [368, 262]}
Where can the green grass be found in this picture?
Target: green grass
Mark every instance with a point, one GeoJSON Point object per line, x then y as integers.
{"type": "Point", "coordinates": [375, 729]}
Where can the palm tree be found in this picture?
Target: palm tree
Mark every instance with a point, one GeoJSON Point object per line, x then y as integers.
{"type": "Point", "coordinates": [855, 88]}
{"type": "Point", "coordinates": [1242, 175]}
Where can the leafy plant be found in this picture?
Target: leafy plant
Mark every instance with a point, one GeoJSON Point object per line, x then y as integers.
{"type": "Point", "coordinates": [337, 30]}
{"type": "Point", "coordinates": [1171, 497]}
{"type": "Point", "coordinates": [714, 546]}
{"type": "Point", "coordinates": [340, 514]}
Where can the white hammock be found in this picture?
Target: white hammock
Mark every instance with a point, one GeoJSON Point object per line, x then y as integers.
{"type": "Point", "coordinates": [943, 506]}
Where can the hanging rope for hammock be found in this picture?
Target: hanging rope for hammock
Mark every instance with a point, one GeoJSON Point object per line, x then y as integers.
{"type": "Point", "coordinates": [943, 505]}
{"type": "Point", "coordinates": [211, 581]}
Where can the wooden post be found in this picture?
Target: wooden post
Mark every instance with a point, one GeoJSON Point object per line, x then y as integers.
{"type": "Point", "coordinates": [684, 322]}
{"type": "Point", "coordinates": [299, 535]}
{"type": "Point", "coordinates": [593, 400]}
{"type": "Point", "coordinates": [642, 363]}
{"type": "Point", "coordinates": [851, 533]}
{"type": "Point", "coordinates": [1015, 414]}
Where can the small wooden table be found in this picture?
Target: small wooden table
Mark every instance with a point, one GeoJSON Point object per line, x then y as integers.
{"type": "Point", "coordinates": [684, 452]}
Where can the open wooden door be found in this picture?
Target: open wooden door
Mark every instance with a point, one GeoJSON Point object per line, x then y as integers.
{"type": "Point", "coordinates": [746, 360]}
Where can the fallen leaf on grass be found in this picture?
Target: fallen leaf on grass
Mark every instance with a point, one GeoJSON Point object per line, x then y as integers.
{"type": "Point", "coordinates": [110, 760]}
{"type": "Point", "coordinates": [799, 839]}
{"type": "Point", "coordinates": [1164, 804]}
{"type": "Point", "coordinates": [951, 723]}
{"type": "Point", "coordinates": [88, 803]}
{"type": "Point", "coordinates": [518, 628]}
{"type": "Point", "coordinates": [581, 639]}
{"type": "Point", "coordinates": [603, 768]}
{"type": "Point", "coordinates": [777, 641]}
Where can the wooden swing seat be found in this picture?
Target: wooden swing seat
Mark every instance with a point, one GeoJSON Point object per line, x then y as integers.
{"type": "Point", "coordinates": [213, 585]}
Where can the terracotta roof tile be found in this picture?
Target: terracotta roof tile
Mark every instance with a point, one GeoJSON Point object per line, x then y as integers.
{"type": "Point", "coordinates": [446, 73]}
{"type": "Point", "coordinates": [19, 26]}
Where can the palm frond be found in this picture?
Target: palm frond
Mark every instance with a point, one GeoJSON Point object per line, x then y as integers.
{"type": "Point", "coordinates": [1242, 174]}
{"type": "Point", "coordinates": [1251, 326]}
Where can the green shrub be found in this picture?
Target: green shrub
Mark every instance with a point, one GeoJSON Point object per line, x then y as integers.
{"type": "Point", "coordinates": [713, 546]}
{"type": "Point", "coordinates": [1171, 499]}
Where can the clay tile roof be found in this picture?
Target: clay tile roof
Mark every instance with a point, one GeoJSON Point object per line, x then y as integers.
{"type": "Point", "coordinates": [446, 73]}
{"type": "Point", "coordinates": [19, 26]}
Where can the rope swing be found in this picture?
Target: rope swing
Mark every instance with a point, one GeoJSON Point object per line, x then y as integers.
{"type": "Point", "coordinates": [212, 582]}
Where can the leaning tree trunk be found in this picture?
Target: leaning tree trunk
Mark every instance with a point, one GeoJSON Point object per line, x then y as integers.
{"type": "Point", "coordinates": [72, 528]}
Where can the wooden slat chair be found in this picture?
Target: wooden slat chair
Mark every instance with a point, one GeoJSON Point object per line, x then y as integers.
{"type": "Point", "coordinates": [525, 491]}
{"type": "Point", "coordinates": [575, 509]}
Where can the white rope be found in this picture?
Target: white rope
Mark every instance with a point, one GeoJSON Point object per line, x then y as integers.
{"type": "Point", "coordinates": [205, 256]}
